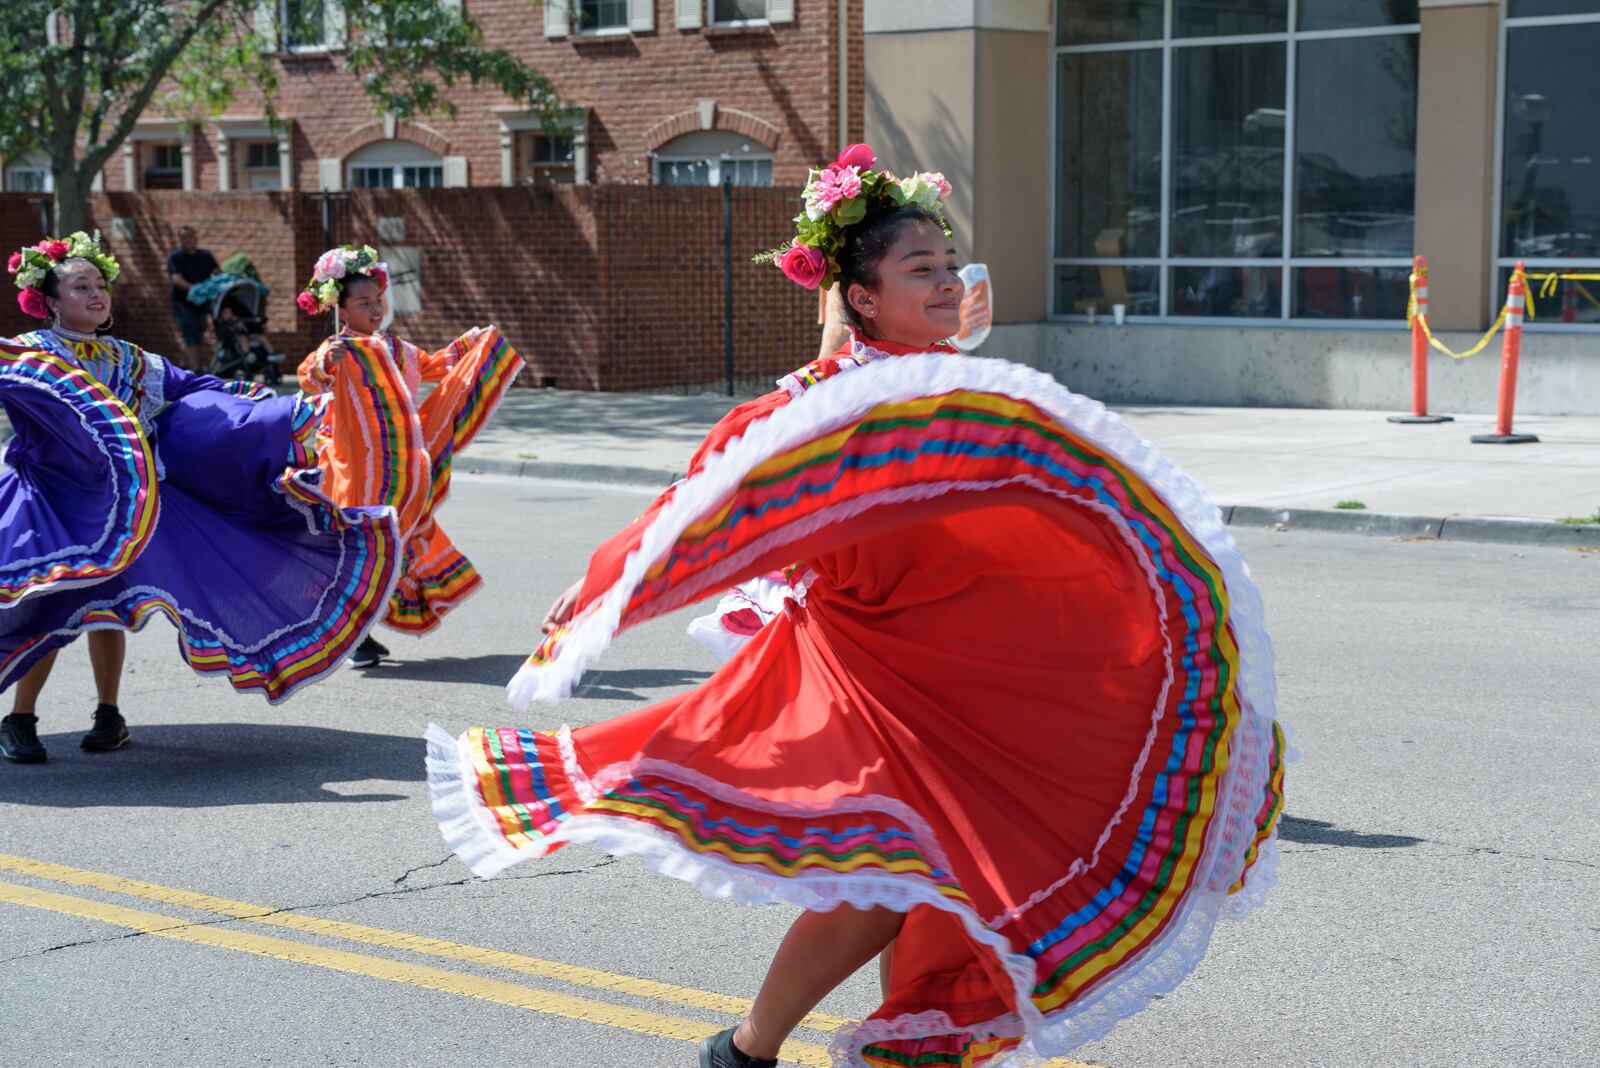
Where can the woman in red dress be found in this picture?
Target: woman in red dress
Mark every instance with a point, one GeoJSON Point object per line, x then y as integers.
{"type": "Point", "coordinates": [1017, 714]}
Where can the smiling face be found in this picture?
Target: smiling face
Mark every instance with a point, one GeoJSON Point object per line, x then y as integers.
{"type": "Point", "coordinates": [917, 298]}
{"type": "Point", "coordinates": [82, 299]}
{"type": "Point", "coordinates": [362, 306]}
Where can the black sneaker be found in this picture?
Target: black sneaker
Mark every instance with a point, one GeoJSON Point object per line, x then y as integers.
{"type": "Point", "coordinates": [19, 739]}
{"type": "Point", "coordinates": [718, 1051]}
{"type": "Point", "coordinates": [368, 653]}
{"type": "Point", "coordinates": [110, 731]}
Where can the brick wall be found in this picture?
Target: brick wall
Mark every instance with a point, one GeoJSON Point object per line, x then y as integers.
{"type": "Point", "coordinates": [777, 84]}
{"type": "Point", "coordinates": [602, 287]}
{"type": "Point", "coordinates": [21, 223]}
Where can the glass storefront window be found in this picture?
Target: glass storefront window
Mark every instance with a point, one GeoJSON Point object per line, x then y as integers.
{"type": "Point", "coordinates": [1355, 14]}
{"type": "Point", "coordinates": [1550, 176]}
{"type": "Point", "coordinates": [1228, 292]}
{"type": "Point", "coordinates": [1227, 150]}
{"type": "Point", "coordinates": [1522, 9]}
{"type": "Point", "coordinates": [1080, 22]}
{"type": "Point", "coordinates": [1226, 18]}
{"type": "Point", "coordinates": [1356, 163]}
{"type": "Point", "coordinates": [1569, 301]}
{"type": "Point", "coordinates": [1101, 286]}
{"type": "Point", "coordinates": [1351, 292]}
{"type": "Point", "coordinates": [1108, 152]}
{"type": "Point", "coordinates": [1172, 150]}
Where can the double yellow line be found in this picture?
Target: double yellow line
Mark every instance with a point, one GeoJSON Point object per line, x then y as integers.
{"type": "Point", "coordinates": [498, 991]}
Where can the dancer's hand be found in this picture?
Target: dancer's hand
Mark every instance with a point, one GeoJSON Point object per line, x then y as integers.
{"type": "Point", "coordinates": [561, 611]}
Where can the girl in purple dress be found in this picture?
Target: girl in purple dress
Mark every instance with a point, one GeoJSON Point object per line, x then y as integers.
{"type": "Point", "coordinates": [132, 487]}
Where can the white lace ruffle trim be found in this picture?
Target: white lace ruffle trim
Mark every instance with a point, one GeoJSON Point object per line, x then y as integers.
{"type": "Point", "coordinates": [836, 403]}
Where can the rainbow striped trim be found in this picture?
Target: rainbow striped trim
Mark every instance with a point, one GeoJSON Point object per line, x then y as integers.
{"type": "Point", "coordinates": [915, 429]}
{"type": "Point", "coordinates": [130, 492]}
{"type": "Point", "coordinates": [487, 367]}
{"type": "Point", "coordinates": [431, 587]}
{"type": "Point", "coordinates": [296, 657]}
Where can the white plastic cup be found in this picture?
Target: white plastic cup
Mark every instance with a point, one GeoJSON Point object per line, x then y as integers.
{"type": "Point", "coordinates": [1119, 313]}
{"type": "Point", "coordinates": [977, 307]}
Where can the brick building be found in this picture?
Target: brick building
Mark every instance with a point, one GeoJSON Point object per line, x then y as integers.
{"type": "Point", "coordinates": [657, 92]}
{"type": "Point", "coordinates": [602, 279]}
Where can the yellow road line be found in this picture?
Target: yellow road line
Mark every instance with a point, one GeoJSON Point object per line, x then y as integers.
{"type": "Point", "coordinates": [576, 975]}
{"type": "Point", "coordinates": [377, 936]}
{"type": "Point", "coordinates": [497, 991]}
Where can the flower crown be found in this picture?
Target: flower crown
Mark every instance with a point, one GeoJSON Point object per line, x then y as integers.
{"type": "Point", "coordinates": [334, 267]}
{"type": "Point", "coordinates": [837, 197]}
{"type": "Point", "coordinates": [29, 266]}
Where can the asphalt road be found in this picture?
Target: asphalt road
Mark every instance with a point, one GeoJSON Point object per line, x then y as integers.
{"type": "Point", "coordinates": [1439, 901]}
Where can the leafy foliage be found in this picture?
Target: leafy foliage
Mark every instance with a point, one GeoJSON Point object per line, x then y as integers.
{"type": "Point", "coordinates": [76, 75]}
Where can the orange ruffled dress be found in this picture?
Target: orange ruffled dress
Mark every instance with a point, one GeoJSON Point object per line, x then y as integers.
{"type": "Point", "coordinates": [1021, 692]}
{"type": "Point", "coordinates": [378, 445]}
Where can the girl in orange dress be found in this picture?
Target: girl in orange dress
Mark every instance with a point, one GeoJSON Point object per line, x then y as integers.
{"type": "Point", "coordinates": [381, 442]}
{"type": "Point", "coordinates": [1016, 718]}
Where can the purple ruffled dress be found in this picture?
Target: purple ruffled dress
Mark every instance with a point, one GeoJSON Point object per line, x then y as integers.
{"type": "Point", "coordinates": [133, 487]}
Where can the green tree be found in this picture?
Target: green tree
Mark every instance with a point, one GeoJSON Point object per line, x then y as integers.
{"type": "Point", "coordinates": [75, 75]}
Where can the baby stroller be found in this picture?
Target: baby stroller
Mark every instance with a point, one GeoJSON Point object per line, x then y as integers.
{"type": "Point", "coordinates": [235, 304]}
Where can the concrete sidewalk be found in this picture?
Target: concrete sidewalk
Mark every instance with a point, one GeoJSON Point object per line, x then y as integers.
{"type": "Point", "coordinates": [1264, 464]}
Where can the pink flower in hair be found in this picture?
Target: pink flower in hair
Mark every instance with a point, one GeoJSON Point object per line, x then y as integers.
{"type": "Point", "coordinates": [32, 303]}
{"type": "Point", "coordinates": [14, 264]}
{"type": "Point", "coordinates": [379, 275]}
{"type": "Point", "coordinates": [329, 265]}
{"type": "Point", "coordinates": [804, 266]}
{"type": "Point", "coordinates": [308, 304]}
{"type": "Point", "coordinates": [56, 250]}
{"type": "Point", "coordinates": [833, 186]}
{"type": "Point", "coordinates": [861, 157]}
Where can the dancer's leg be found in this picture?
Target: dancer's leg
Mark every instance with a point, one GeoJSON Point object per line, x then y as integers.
{"type": "Point", "coordinates": [821, 950]}
{"type": "Point", "coordinates": [107, 650]}
{"type": "Point", "coordinates": [25, 697]}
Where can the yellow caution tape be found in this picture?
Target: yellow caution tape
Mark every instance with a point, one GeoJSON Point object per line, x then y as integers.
{"type": "Point", "coordinates": [1500, 320]}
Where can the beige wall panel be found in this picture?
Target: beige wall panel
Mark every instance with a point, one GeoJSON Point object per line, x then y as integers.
{"type": "Point", "coordinates": [1012, 165]}
{"type": "Point", "coordinates": [920, 113]}
{"type": "Point", "coordinates": [1455, 161]}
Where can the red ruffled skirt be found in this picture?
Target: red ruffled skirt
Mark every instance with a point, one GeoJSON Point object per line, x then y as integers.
{"type": "Point", "coordinates": [1022, 693]}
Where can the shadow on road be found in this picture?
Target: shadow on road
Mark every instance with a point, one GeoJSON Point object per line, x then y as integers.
{"type": "Point", "coordinates": [496, 669]}
{"type": "Point", "coordinates": [214, 765]}
{"type": "Point", "coordinates": [623, 685]}
{"type": "Point", "coordinates": [1317, 832]}
{"type": "Point", "coordinates": [488, 669]}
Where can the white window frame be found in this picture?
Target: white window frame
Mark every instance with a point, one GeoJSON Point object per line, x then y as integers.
{"type": "Point", "coordinates": [30, 165]}
{"type": "Point", "coordinates": [715, 169]}
{"type": "Point", "coordinates": [1502, 261]}
{"type": "Point", "coordinates": [712, 20]}
{"type": "Point", "coordinates": [301, 49]}
{"type": "Point", "coordinates": [1164, 262]}
{"type": "Point", "coordinates": [621, 30]}
{"type": "Point", "coordinates": [399, 170]}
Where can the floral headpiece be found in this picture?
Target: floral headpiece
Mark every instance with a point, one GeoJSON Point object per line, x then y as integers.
{"type": "Point", "coordinates": [29, 266]}
{"type": "Point", "coordinates": [837, 197]}
{"type": "Point", "coordinates": [334, 268]}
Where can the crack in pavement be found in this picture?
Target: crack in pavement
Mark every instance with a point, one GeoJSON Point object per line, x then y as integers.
{"type": "Point", "coordinates": [1452, 849]}
{"type": "Point", "coordinates": [423, 867]}
{"type": "Point", "coordinates": [179, 925]}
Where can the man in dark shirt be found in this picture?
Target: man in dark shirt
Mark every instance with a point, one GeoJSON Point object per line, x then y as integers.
{"type": "Point", "coordinates": [186, 267]}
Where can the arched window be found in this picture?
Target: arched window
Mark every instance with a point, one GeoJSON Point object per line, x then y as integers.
{"type": "Point", "coordinates": [395, 165]}
{"type": "Point", "coordinates": [708, 157]}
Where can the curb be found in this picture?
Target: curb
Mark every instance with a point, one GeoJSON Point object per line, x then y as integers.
{"type": "Point", "coordinates": [613, 474]}
{"type": "Point", "coordinates": [1494, 530]}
